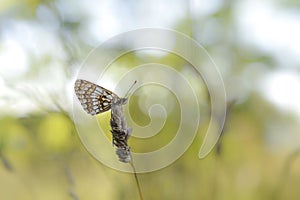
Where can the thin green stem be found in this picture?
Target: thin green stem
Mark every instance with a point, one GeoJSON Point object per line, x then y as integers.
{"type": "Point", "coordinates": [136, 180]}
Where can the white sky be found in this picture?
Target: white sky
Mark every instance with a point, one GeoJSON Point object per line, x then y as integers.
{"type": "Point", "coordinates": [282, 88]}
{"type": "Point", "coordinates": [260, 23]}
{"type": "Point", "coordinates": [273, 30]}
{"type": "Point", "coordinates": [276, 32]}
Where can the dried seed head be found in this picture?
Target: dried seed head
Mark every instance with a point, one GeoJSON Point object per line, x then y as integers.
{"type": "Point", "coordinates": [120, 131]}
{"type": "Point", "coordinates": [123, 154]}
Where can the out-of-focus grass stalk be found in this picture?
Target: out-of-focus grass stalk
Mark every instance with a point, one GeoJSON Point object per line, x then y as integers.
{"type": "Point", "coordinates": [6, 163]}
{"type": "Point", "coordinates": [284, 175]}
{"type": "Point", "coordinates": [71, 181]}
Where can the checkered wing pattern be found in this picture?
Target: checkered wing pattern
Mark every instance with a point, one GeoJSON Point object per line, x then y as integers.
{"type": "Point", "coordinates": [93, 98]}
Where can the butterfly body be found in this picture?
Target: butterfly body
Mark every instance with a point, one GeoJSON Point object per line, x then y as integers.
{"type": "Point", "coordinates": [94, 98]}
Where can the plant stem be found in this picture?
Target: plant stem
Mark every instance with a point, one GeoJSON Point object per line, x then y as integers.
{"type": "Point", "coordinates": [136, 180]}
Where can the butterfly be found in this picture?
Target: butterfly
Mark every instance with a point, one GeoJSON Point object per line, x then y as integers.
{"type": "Point", "coordinates": [93, 98]}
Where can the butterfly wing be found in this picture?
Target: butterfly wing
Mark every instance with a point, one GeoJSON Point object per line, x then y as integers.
{"type": "Point", "coordinates": [93, 98]}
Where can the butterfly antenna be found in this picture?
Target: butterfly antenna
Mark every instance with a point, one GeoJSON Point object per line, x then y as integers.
{"type": "Point", "coordinates": [130, 89]}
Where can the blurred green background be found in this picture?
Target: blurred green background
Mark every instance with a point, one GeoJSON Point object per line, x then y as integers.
{"type": "Point", "coordinates": [256, 46]}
